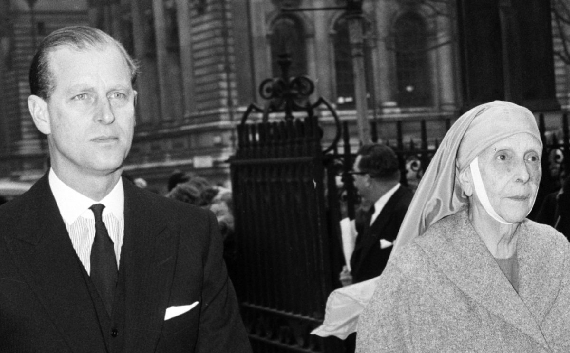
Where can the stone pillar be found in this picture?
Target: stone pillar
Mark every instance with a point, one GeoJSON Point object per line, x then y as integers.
{"type": "Point", "coordinates": [186, 59]}
{"type": "Point", "coordinates": [148, 104]}
{"type": "Point", "coordinates": [446, 65]}
{"type": "Point", "coordinates": [357, 52]}
{"type": "Point", "coordinates": [115, 10]}
{"type": "Point", "coordinates": [261, 43]}
{"type": "Point", "coordinates": [382, 57]}
{"type": "Point", "coordinates": [324, 74]}
{"type": "Point", "coordinates": [162, 58]}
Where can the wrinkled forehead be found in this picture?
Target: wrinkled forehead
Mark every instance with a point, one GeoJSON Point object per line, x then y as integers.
{"type": "Point", "coordinates": [67, 64]}
{"type": "Point", "coordinates": [522, 142]}
{"type": "Point", "coordinates": [55, 54]}
{"type": "Point", "coordinates": [494, 123]}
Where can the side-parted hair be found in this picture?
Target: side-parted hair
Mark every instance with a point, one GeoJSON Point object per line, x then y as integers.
{"type": "Point", "coordinates": [379, 161]}
{"type": "Point", "coordinates": [79, 38]}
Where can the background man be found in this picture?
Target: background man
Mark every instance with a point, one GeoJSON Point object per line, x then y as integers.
{"type": "Point", "coordinates": [89, 263]}
{"type": "Point", "coordinates": [376, 177]}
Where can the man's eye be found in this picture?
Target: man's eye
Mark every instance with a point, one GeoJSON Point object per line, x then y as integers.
{"type": "Point", "coordinates": [533, 158]}
{"type": "Point", "coordinates": [118, 95]}
{"type": "Point", "coordinates": [80, 97]}
{"type": "Point", "coordinates": [502, 157]}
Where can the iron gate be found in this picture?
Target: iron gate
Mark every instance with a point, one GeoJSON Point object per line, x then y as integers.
{"type": "Point", "coordinates": [282, 221]}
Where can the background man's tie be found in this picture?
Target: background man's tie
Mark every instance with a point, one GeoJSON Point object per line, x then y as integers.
{"type": "Point", "coordinates": [104, 270]}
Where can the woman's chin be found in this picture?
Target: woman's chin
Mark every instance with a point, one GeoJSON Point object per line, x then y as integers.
{"type": "Point", "coordinates": [514, 217]}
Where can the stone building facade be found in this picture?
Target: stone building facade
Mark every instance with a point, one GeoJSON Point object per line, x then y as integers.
{"type": "Point", "coordinates": [203, 60]}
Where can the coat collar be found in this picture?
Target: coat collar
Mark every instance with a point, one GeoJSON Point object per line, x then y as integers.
{"type": "Point", "coordinates": [458, 251]}
{"type": "Point", "coordinates": [374, 231]}
{"type": "Point", "coordinates": [43, 252]}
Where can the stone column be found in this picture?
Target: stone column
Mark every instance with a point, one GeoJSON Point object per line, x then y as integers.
{"type": "Point", "coordinates": [382, 58]}
{"type": "Point", "coordinates": [261, 43]}
{"type": "Point", "coordinates": [325, 64]}
{"type": "Point", "coordinates": [357, 52]}
{"type": "Point", "coordinates": [115, 11]}
{"type": "Point", "coordinates": [162, 58]}
{"type": "Point", "coordinates": [446, 65]}
{"type": "Point", "coordinates": [186, 59]}
{"type": "Point", "coordinates": [148, 106]}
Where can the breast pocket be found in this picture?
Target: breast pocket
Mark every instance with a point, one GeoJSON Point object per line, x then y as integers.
{"type": "Point", "coordinates": [180, 318]}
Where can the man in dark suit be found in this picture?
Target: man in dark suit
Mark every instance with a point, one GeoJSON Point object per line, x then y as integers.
{"type": "Point", "coordinates": [89, 263]}
{"type": "Point", "coordinates": [376, 176]}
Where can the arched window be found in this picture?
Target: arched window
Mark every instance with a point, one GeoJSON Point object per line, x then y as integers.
{"type": "Point", "coordinates": [289, 38]}
{"type": "Point", "coordinates": [412, 68]}
{"type": "Point", "coordinates": [345, 94]}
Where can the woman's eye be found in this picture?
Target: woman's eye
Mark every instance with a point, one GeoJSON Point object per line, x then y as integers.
{"type": "Point", "coordinates": [533, 158]}
{"type": "Point", "coordinates": [502, 157]}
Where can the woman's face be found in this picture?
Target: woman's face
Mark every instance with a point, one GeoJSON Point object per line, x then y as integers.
{"type": "Point", "coordinates": [511, 173]}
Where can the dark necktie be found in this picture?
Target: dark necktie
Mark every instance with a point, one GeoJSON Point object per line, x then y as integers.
{"type": "Point", "coordinates": [104, 270]}
{"type": "Point", "coordinates": [369, 214]}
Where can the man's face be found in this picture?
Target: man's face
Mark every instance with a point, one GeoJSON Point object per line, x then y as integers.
{"type": "Point", "coordinates": [90, 114]}
{"type": "Point", "coordinates": [361, 181]}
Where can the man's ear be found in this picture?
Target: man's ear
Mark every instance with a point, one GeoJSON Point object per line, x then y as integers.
{"type": "Point", "coordinates": [39, 111]}
{"type": "Point", "coordinates": [466, 181]}
{"type": "Point", "coordinates": [136, 95]}
{"type": "Point", "coordinates": [367, 179]}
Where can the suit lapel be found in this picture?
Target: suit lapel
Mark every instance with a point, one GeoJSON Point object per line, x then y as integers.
{"type": "Point", "coordinates": [465, 260]}
{"type": "Point", "coordinates": [374, 233]}
{"type": "Point", "coordinates": [148, 261]}
{"type": "Point", "coordinates": [46, 258]}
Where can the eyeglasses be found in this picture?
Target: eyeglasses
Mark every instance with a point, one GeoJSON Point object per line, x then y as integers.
{"type": "Point", "coordinates": [357, 173]}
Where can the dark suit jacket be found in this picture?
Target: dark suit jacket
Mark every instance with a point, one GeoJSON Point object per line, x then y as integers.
{"type": "Point", "coordinates": [171, 256]}
{"type": "Point", "coordinates": [368, 260]}
{"type": "Point", "coordinates": [555, 211]}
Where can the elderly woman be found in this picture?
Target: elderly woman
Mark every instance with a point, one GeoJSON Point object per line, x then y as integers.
{"type": "Point", "coordinates": [469, 272]}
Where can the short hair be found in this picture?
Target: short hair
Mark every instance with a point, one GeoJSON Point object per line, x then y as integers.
{"type": "Point", "coordinates": [177, 177]}
{"type": "Point", "coordinates": [79, 38]}
{"type": "Point", "coordinates": [379, 161]}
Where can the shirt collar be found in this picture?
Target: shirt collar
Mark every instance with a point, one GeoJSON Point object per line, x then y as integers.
{"type": "Point", "coordinates": [72, 204]}
{"type": "Point", "coordinates": [383, 200]}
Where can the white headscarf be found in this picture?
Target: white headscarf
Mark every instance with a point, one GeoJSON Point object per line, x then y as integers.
{"type": "Point", "coordinates": [439, 193]}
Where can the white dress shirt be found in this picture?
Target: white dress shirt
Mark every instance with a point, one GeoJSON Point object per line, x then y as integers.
{"type": "Point", "coordinates": [80, 221]}
{"type": "Point", "coordinates": [382, 201]}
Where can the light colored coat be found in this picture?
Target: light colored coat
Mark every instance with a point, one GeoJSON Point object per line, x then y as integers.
{"type": "Point", "coordinates": [446, 293]}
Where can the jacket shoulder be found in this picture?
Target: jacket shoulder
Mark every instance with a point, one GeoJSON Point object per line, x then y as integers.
{"type": "Point", "coordinates": [172, 209]}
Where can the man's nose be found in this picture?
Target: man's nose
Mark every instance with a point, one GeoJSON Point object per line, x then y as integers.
{"type": "Point", "coordinates": [105, 114]}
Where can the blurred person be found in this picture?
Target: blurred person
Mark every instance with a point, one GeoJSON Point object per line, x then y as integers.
{"type": "Point", "coordinates": [91, 263]}
{"type": "Point", "coordinates": [177, 177]}
{"type": "Point", "coordinates": [469, 271]}
{"type": "Point", "coordinates": [377, 178]}
{"type": "Point", "coordinates": [222, 207]}
{"type": "Point", "coordinates": [187, 193]}
{"type": "Point", "coordinates": [555, 209]}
